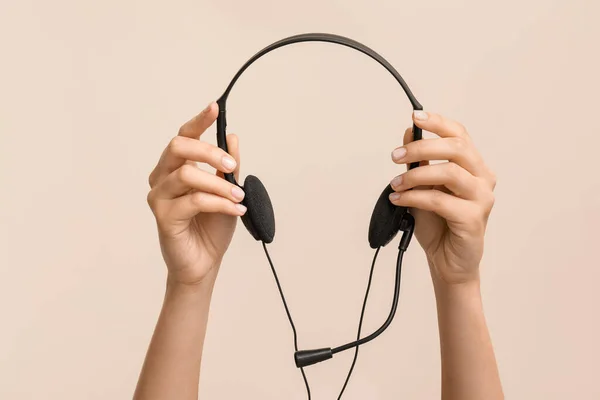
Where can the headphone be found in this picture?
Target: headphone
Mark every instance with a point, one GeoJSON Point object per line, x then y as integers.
{"type": "Point", "coordinates": [386, 219]}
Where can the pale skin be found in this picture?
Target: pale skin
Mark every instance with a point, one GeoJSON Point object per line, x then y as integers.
{"type": "Point", "coordinates": [196, 214]}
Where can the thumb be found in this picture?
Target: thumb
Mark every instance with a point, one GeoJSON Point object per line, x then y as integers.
{"type": "Point", "coordinates": [234, 150]}
{"type": "Point", "coordinates": [233, 145]}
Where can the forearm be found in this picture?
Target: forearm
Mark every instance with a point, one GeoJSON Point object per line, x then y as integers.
{"type": "Point", "coordinates": [172, 366]}
{"type": "Point", "coordinates": [469, 369]}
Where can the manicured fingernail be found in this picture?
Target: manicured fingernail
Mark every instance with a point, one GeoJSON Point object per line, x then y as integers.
{"type": "Point", "coordinates": [237, 193]}
{"type": "Point", "coordinates": [397, 181]}
{"type": "Point", "coordinates": [241, 208]}
{"type": "Point", "coordinates": [395, 196]}
{"type": "Point", "coordinates": [399, 153]}
{"type": "Point", "coordinates": [228, 162]}
{"type": "Point", "coordinates": [421, 115]}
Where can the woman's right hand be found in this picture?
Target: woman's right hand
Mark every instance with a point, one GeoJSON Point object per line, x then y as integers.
{"type": "Point", "coordinates": [196, 211]}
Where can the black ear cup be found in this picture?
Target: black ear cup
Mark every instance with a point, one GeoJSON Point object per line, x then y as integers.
{"type": "Point", "coordinates": [385, 220]}
{"type": "Point", "coordinates": [259, 219]}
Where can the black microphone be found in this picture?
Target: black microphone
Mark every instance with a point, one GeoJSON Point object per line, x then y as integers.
{"type": "Point", "coordinates": [304, 358]}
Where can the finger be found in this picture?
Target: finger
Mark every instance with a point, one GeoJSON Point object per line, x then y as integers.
{"type": "Point", "coordinates": [445, 205]}
{"type": "Point", "coordinates": [408, 138]}
{"type": "Point", "coordinates": [183, 149]}
{"type": "Point", "coordinates": [447, 128]}
{"type": "Point", "coordinates": [190, 177]}
{"type": "Point", "coordinates": [188, 206]}
{"type": "Point", "coordinates": [200, 123]}
{"type": "Point", "coordinates": [456, 179]}
{"type": "Point", "coordinates": [234, 151]}
{"type": "Point", "coordinates": [439, 125]}
{"type": "Point", "coordinates": [408, 135]}
{"type": "Point", "coordinates": [169, 160]}
{"type": "Point", "coordinates": [455, 149]}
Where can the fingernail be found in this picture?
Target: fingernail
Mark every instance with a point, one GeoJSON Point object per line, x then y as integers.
{"type": "Point", "coordinates": [399, 153]}
{"type": "Point", "coordinates": [241, 208]}
{"type": "Point", "coordinates": [421, 115]}
{"type": "Point", "coordinates": [237, 193]}
{"type": "Point", "coordinates": [397, 181]}
{"type": "Point", "coordinates": [228, 162]}
{"type": "Point", "coordinates": [394, 196]}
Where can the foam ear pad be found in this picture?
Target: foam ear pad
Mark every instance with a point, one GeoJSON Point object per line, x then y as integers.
{"type": "Point", "coordinates": [385, 220]}
{"type": "Point", "coordinates": [259, 219]}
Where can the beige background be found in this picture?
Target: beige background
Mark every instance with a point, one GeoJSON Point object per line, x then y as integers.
{"type": "Point", "coordinates": [91, 91]}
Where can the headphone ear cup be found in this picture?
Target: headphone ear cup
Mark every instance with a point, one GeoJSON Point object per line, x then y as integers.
{"type": "Point", "coordinates": [259, 218]}
{"type": "Point", "coordinates": [385, 220]}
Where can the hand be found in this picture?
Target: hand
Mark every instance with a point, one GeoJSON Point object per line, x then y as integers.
{"type": "Point", "coordinates": [196, 212]}
{"type": "Point", "coordinates": [451, 201]}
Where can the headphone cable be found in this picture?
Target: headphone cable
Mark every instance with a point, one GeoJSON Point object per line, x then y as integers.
{"type": "Point", "coordinates": [360, 323]}
{"type": "Point", "coordinates": [362, 313]}
{"type": "Point", "coordinates": [287, 311]}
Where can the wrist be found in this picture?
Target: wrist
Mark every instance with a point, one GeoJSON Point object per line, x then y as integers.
{"type": "Point", "coordinates": [205, 286]}
{"type": "Point", "coordinates": [193, 276]}
{"type": "Point", "coordinates": [471, 287]}
{"type": "Point", "coordinates": [444, 274]}
{"type": "Point", "coordinates": [445, 283]}
{"type": "Point", "coordinates": [454, 296]}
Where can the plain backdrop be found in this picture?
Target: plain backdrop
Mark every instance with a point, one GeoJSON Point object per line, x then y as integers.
{"type": "Point", "coordinates": [91, 92]}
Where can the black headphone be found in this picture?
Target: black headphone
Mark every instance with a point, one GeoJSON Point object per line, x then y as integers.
{"type": "Point", "coordinates": [386, 219]}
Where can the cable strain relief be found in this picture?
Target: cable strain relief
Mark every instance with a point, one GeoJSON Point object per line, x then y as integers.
{"type": "Point", "coordinates": [304, 358]}
{"type": "Point", "coordinates": [407, 225]}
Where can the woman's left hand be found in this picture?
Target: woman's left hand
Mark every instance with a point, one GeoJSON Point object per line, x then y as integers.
{"type": "Point", "coordinates": [451, 201]}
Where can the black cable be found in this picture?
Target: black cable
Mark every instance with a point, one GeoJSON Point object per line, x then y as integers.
{"type": "Point", "coordinates": [359, 341]}
{"type": "Point", "coordinates": [390, 317]}
{"type": "Point", "coordinates": [362, 315]}
{"type": "Point", "coordinates": [287, 311]}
